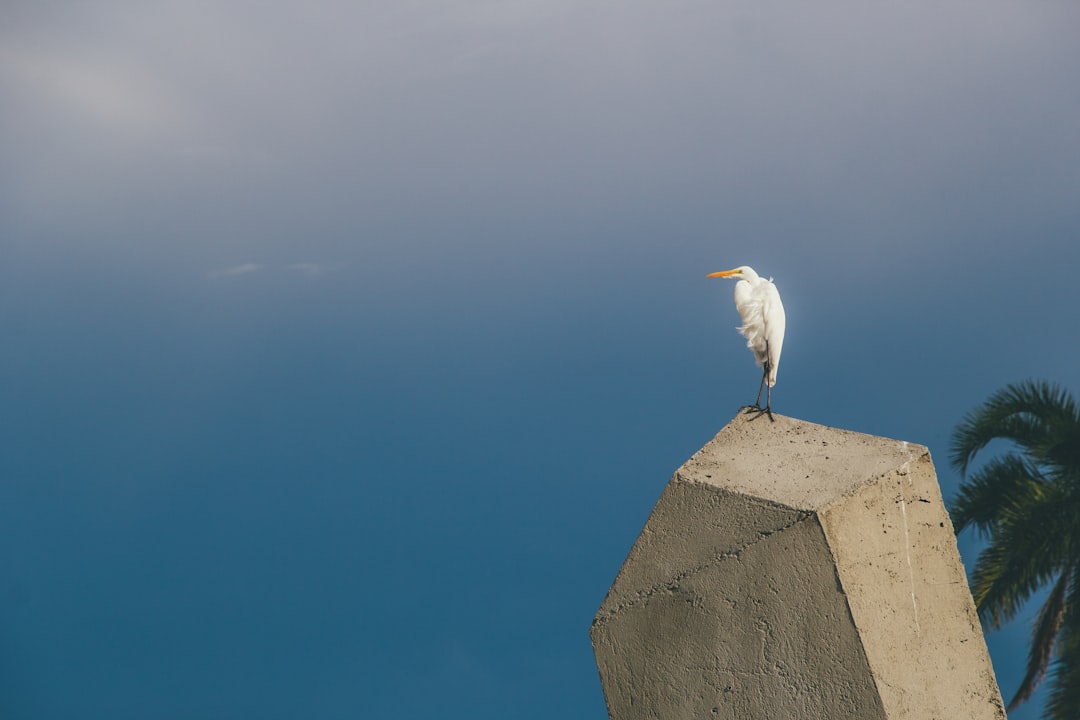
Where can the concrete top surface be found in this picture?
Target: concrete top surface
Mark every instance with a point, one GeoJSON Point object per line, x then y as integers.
{"type": "Point", "coordinates": [793, 462]}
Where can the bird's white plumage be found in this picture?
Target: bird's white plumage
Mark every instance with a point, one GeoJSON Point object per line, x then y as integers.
{"type": "Point", "coordinates": [763, 318]}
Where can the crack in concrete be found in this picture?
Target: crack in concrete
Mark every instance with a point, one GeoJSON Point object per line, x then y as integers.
{"type": "Point", "coordinates": [673, 583]}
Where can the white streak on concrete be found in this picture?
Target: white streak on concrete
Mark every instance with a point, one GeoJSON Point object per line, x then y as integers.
{"type": "Point", "coordinates": [907, 547]}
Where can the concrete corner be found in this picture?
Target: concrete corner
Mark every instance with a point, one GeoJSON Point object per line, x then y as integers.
{"type": "Point", "coordinates": [792, 570]}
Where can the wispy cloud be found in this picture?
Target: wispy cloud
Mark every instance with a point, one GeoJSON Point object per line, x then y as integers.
{"type": "Point", "coordinates": [123, 96]}
{"type": "Point", "coordinates": [307, 269]}
{"type": "Point", "coordinates": [245, 269]}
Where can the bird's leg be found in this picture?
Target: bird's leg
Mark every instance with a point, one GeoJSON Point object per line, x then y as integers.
{"type": "Point", "coordinates": [764, 374]}
{"type": "Point", "coordinates": [768, 388]}
{"type": "Point", "coordinates": [765, 367]}
{"type": "Point", "coordinates": [756, 407]}
{"type": "Point", "coordinates": [767, 410]}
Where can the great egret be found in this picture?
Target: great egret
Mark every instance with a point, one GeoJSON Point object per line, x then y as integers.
{"type": "Point", "coordinates": [763, 323]}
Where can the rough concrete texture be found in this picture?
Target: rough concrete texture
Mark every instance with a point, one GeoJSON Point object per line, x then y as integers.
{"type": "Point", "coordinates": [792, 570]}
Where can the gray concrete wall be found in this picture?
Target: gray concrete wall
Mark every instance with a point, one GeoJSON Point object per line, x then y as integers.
{"type": "Point", "coordinates": [791, 570]}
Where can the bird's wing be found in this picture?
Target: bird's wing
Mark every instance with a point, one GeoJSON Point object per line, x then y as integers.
{"type": "Point", "coordinates": [747, 302]}
{"type": "Point", "coordinates": [775, 323]}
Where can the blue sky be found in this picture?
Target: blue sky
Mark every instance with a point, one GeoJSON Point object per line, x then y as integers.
{"type": "Point", "coordinates": [348, 346]}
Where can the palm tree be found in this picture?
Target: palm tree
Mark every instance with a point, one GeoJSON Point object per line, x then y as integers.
{"type": "Point", "coordinates": [1026, 503]}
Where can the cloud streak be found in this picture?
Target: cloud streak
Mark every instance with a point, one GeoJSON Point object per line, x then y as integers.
{"type": "Point", "coordinates": [305, 269]}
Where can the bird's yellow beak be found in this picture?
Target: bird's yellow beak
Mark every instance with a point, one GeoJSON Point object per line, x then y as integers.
{"type": "Point", "coordinates": [724, 273]}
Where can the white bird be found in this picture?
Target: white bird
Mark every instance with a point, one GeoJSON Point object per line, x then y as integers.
{"type": "Point", "coordinates": [763, 323]}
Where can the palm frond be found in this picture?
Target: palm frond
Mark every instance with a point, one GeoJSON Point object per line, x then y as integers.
{"type": "Point", "coordinates": [1060, 455]}
{"type": "Point", "coordinates": [999, 487]}
{"type": "Point", "coordinates": [1042, 639]}
{"type": "Point", "coordinates": [1029, 547]}
{"type": "Point", "coordinates": [1021, 413]}
{"type": "Point", "coordinates": [1063, 699]}
{"type": "Point", "coordinates": [1027, 502]}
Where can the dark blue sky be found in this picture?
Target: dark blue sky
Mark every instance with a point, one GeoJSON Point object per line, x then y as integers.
{"type": "Point", "coordinates": [347, 348]}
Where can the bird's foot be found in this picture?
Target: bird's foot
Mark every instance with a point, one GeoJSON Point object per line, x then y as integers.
{"type": "Point", "coordinates": [757, 411]}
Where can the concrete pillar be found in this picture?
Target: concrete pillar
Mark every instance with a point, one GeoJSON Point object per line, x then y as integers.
{"type": "Point", "coordinates": [792, 571]}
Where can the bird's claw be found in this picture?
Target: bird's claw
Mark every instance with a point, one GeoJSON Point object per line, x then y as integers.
{"type": "Point", "coordinates": [758, 411]}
